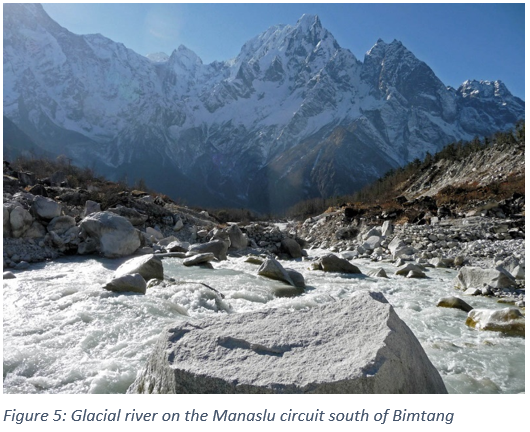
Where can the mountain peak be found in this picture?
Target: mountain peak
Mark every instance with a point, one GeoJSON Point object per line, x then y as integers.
{"type": "Point", "coordinates": [307, 21]}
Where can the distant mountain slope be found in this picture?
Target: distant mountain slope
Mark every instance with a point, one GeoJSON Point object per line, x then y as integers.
{"type": "Point", "coordinates": [293, 116]}
{"type": "Point", "coordinates": [16, 143]}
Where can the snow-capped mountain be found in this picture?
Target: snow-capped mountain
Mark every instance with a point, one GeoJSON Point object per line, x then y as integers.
{"type": "Point", "coordinates": [293, 116]}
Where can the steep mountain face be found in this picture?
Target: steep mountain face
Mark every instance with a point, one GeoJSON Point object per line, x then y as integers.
{"type": "Point", "coordinates": [293, 116]}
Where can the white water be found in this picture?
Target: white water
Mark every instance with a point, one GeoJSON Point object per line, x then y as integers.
{"type": "Point", "coordinates": [64, 334]}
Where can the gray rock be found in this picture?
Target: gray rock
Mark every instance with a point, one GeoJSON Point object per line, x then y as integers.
{"type": "Point", "coordinates": [454, 302]}
{"type": "Point", "coordinates": [473, 292]}
{"type": "Point", "coordinates": [46, 208]}
{"type": "Point", "coordinates": [61, 224]}
{"type": "Point", "coordinates": [149, 266]}
{"type": "Point", "coordinates": [474, 277]}
{"type": "Point", "coordinates": [399, 248]}
{"type": "Point", "coordinates": [254, 260]}
{"type": "Point", "coordinates": [332, 263]}
{"type": "Point", "coordinates": [387, 229]}
{"type": "Point", "coordinates": [292, 247]}
{"type": "Point", "coordinates": [114, 235]}
{"type": "Point", "coordinates": [296, 277]}
{"type": "Point", "coordinates": [177, 246]}
{"type": "Point", "coordinates": [217, 247]}
{"type": "Point", "coordinates": [372, 242]}
{"type": "Point", "coordinates": [238, 240]}
{"type": "Point", "coordinates": [91, 207]}
{"type": "Point", "coordinates": [150, 231]}
{"type": "Point", "coordinates": [36, 230]}
{"type": "Point", "coordinates": [127, 283]}
{"type": "Point", "coordinates": [20, 220]}
{"type": "Point", "coordinates": [22, 265]}
{"type": "Point", "coordinates": [508, 320]}
{"type": "Point", "coordinates": [199, 259]}
{"type": "Point", "coordinates": [9, 275]}
{"type": "Point", "coordinates": [405, 269]}
{"type": "Point", "coordinates": [416, 274]}
{"type": "Point", "coordinates": [89, 246]}
{"type": "Point", "coordinates": [167, 240]}
{"type": "Point", "coordinates": [379, 272]}
{"type": "Point", "coordinates": [280, 351]}
{"type": "Point", "coordinates": [272, 269]}
{"type": "Point", "coordinates": [178, 225]}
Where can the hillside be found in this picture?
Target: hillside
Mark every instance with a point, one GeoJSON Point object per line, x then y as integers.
{"type": "Point", "coordinates": [463, 177]}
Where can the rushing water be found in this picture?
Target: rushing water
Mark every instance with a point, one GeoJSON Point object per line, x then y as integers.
{"type": "Point", "coordinates": [63, 333]}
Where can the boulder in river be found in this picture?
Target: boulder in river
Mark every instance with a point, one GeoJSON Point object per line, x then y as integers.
{"type": "Point", "coordinates": [302, 351]}
{"type": "Point", "coordinates": [149, 266]}
{"type": "Point", "coordinates": [272, 269]}
{"type": "Point", "coordinates": [291, 247]}
{"type": "Point", "coordinates": [127, 283]}
{"type": "Point", "coordinates": [508, 320]}
{"type": "Point", "coordinates": [455, 303]}
{"type": "Point", "coordinates": [114, 235]}
{"type": "Point", "coordinates": [199, 259]}
{"type": "Point", "coordinates": [332, 263]}
{"type": "Point", "coordinates": [217, 247]}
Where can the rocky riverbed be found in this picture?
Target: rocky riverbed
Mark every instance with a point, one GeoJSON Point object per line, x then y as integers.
{"type": "Point", "coordinates": [63, 287]}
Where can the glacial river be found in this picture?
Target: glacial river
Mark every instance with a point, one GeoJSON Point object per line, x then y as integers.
{"type": "Point", "coordinates": [63, 333]}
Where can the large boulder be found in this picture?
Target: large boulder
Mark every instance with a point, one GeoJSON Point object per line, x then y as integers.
{"type": "Point", "coordinates": [508, 320]}
{"type": "Point", "coordinates": [46, 208]}
{"type": "Point", "coordinates": [149, 266]}
{"type": "Point", "coordinates": [114, 235]}
{"type": "Point", "coordinates": [238, 240]}
{"type": "Point", "coordinates": [332, 263]}
{"type": "Point", "coordinates": [399, 248]}
{"type": "Point", "coordinates": [127, 283]}
{"type": "Point", "coordinates": [372, 242]}
{"type": "Point", "coordinates": [303, 351]}
{"type": "Point", "coordinates": [474, 277]}
{"type": "Point", "coordinates": [405, 269]}
{"type": "Point", "coordinates": [217, 247]}
{"type": "Point", "coordinates": [20, 221]}
{"type": "Point", "coordinates": [272, 269]}
{"type": "Point", "coordinates": [292, 247]}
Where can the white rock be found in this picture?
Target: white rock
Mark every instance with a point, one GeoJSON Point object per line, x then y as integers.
{"type": "Point", "coordinates": [114, 235]}
{"type": "Point", "coordinates": [20, 220]}
{"type": "Point", "coordinates": [150, 231]}
{"type": "Point", "coordinates": [304, 351]}
{"type": "Point", "coordinates": [508, 320]}
{"type": "Point", "coordinates": [474, 277]}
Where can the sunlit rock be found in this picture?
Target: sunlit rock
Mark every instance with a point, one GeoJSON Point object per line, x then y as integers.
{"type": "Point", "coordinates": [271, 351]}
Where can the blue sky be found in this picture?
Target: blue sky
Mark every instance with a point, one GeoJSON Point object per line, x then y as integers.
{"type": "Point", "coordinates": [458, 41]}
